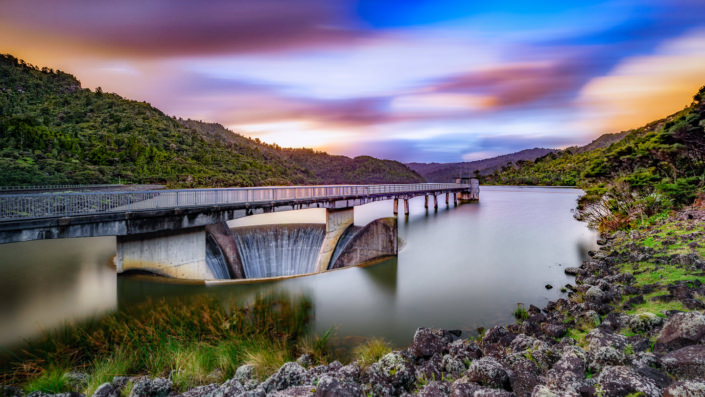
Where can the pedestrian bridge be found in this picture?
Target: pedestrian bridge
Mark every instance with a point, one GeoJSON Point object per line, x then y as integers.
{"type": "Point", "coordinates": [177, 232]}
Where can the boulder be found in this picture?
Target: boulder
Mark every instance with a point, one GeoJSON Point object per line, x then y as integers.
{"type": "Point", "coordinates": [685, 389]}
{"type": "Point", "coordinates": [682, 329]}
{"type": "Point", "coordinates": [435, 389]}
{"type": "Point", "coordinates": [464, 350]}
{"type": "Point", "coordinates": [290, 374]}
{"type": "Point", "coordinates": [487, 371]}
{"type": "Point", "coordinates": [157, 387]}
{"type": "Point", "coordinates": [620, 381]}
{"type": "Point", "coordinates": [430, 369]}
{"type": "Point", "coordinates": [497, 335]}
{"type": "Point", "coordinates": [390, 375]}
{"type": "Point", "coordinates": [329, 386]}
{"type": "Point", "coordinates": [687, 362]}
{"type": "Point", "coordinates": [428, 341]}
{"type": "Point", "coordinates": [644, 322]}
{"type": "Point", "coordinates": [106, 390]}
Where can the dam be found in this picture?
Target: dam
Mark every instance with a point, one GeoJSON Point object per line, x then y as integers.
{"type": "Point", "coordinates": [184, 234]}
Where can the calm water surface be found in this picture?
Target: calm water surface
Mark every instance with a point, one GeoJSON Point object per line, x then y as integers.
{"type": "Point", "coordinates": [458, 268]}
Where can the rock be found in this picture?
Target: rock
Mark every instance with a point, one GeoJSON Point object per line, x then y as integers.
{"type": "Point", "coordinates": [569, 369]}
{"type": "Point", "coordinates": [595, 294]}
{"type": "Point", "coordinates": [430, 369]}
{"type": "Point", "coordinates": [305, 360]}
{"type": "Point", "coordinates": [157, 387]}
{"type": "Point", "coordinates": [463, 387]}
{"type": "Point", "coordinates": [485, 392]}
{"type": "Point", "coordinates": [544, 391]}
{"type": "Point", "coordinates": [10, 391]}
{"type": "Point", "coordinates": [106, 390]}
{"type": "Point", "coordinates": [685, 389]}
{"type": "Point", "coordinates": [607, 356]}
{"type": "Point", "coordinates": [428, 342]}
{"type": "Point", "coordinates": [244, 373]}
{"type": "Point", "coordinates": [599, 337]}
{"type": "Point", "coordinates": [621, 381]}
{"type": "Point", "coordinates": [687, 362]}
{"type": "Point", "coordinates": [202, 391]}
{"type": "Point", "coordinates": [349, 373]}
{"type": "Point", "coordinates": [294, 391]}
{"type": "Point", "coordinates": [554, 330]}
{"type": "Point", "coordinates": [76, 380]}
{"type": "Point", "coordinates": [391, 374]}
{"type": "Point", "coordinates": [464, 350]}
{"type": "Point", "coordinates": [644, 322]}
{"type": "Point", "coordinates": [290, 374]}
{"type": "Point", "coordinates": [329, 386]}
{"type": "Point", "coordinates": [548, 286]}
{"type": "Point", "coordinates": [497, 335]}
{"type": "Point", "coordinates": [488, 372]}
{"type": "Point", "coordinates": [682, 329]}
{"type": "Point", "coordinates": [452, 366]}
{"type": "Point", "coordinates": [573, 271]}
{"type": "Point", "coordinates": [435, 389]}
{"type": "Point", "coordinates": [120, 381]}
{"type": "Point", "coordinates": [523, 376]}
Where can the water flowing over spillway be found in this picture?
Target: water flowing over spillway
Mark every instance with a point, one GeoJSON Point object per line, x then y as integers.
{"type": "Point", "coordinates": [279, 250]}
{"type": "Point", "coordinates": [215, 259]}
{"type": "Point", "coordinates": [343, 242]}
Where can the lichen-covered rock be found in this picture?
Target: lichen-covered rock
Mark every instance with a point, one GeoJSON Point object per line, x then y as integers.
{"type": "Point", "coordinates": [391, 374]}
{"type": "Point", "coordinates": [644, 322]}
{"type": "Point", "coordinates": [554, 330]}
{"type": "Point", "coordinates": [157, 387]}
{"type": "Point", "coordinates": [452, 366]}
{"type": "Point", "coordinates": [305, 360]}
{"type": "Point", "coordinates": [687, 362]}
{"type": "Point", "coordinates": [329, 386]}
{"type": "Point", "coordinates": [485, 392]}
{"type": "Point", "coordinates": [294, 391]}
{"type": "Point", "coordinates": [497, 335]}
{"type": "Point", "coordinates": [607, 356]}
{"type": "Point", "coordinates": [428, 341]}
{"type": "Point", "coordinates": [106, 390]}
{"type": "Point", "coordinates": [244, 373]}
{"type": "Point", "coordinates": [76, 380]}
{"type": "Point", "coordinates": [573, 271]}
{"type": "Point", "coordinates": [488, 372]}
{"type": "Point", "coordinates": [569, 369]}
{"type": "Point", "coordinates": [620, 381]}
{"type": "Point", "coordinates": [430, 369]}
{"type": "Point", "coordinates": [544, 391]}
{"type": "Point", "coordinates": [683, 329]}
{"type": "Point", "coordinates": [599, 337]}
{"type": "Point", "coordinates": [523, 375]}
{"type": "Point", "coordinates": [464, 350]}
{"type": "Point", "coordinates": [463, 387]}
{"type": "Point", "coordinates": [290, 374]}
{"type": "Point", "coordinates": [435, 389]}
{"type": "Point", "coordinates": [10, 391]}
{"type": "Point", "coordinates": [685, 389]}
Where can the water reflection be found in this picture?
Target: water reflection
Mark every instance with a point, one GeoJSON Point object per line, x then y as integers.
{"type": "Point", "coordinates": [458, 268]}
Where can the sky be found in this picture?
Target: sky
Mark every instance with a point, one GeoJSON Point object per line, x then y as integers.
{"type": "Point", "coordinates": [424, 81]}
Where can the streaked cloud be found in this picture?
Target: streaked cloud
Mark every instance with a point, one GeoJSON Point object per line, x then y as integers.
{"type": "Point", "coordinates": [414, 81]}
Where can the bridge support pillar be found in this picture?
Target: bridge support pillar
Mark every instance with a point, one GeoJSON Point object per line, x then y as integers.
{"type": "Point", "coordinates": [406, 207]}
{"type": "Point", "coordinates": [396, 206]}
{"type": "Point", "coordinates": [337, 221]}
{"type": "Point", "coordinates": [447, 196]}
{"type": "Point", "coordinates": [435, 202]}
{"type": "Point", "coordinates": [425, 204]}
{"type": "Point", "coordinates": [455, 199]}
{"type": "Point", "coordinates": [180, 255]}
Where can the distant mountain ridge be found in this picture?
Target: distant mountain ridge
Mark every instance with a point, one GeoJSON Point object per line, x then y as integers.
{"type": "Point", "coordinates": [53, 131]}
{"type": "Point", "coordinates": [447, 172]}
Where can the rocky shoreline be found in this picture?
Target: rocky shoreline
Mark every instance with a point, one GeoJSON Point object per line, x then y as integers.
{"type": "Point", "coordinates": [631, 325]}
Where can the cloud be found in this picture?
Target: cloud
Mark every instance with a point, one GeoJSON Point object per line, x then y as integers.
{"type": "Point", "coordinates": [641, 89]}
{"type": "Point", "coordinates": [159, 28]}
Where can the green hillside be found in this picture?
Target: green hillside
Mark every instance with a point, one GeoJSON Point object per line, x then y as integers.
{"type": "Point", "coordinates": [652, 169]}
{"type": "Point", "coordinates": [52, 131]}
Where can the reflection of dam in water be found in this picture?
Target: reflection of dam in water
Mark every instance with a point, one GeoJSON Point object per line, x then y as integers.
{"type": "Point", "coordinates": [295, 249]}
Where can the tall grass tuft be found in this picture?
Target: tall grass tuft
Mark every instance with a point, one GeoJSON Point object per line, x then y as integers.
{"type": "Point", "coordinates": [199, 341]}
{"type": "Point", "coordinates": [520, 313]}
{"type": "Point", "coordinates": [371, 351]}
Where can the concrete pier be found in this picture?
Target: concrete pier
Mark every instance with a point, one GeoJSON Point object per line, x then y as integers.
{"type": "Point", "coordinates": [337, 221]}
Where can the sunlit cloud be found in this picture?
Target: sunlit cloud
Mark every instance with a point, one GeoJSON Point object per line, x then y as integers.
{"type": "Point", "coordinates": [642, 89]}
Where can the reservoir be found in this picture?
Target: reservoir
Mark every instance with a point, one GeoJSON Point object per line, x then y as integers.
{"type": "Point", "coordinates": [458, 268]}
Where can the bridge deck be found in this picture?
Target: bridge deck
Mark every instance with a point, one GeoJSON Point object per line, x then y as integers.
{"type": "Point", "coordinates": [23, 207]}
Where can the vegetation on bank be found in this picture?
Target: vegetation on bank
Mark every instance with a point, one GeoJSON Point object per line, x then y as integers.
{"type": "Point", "coordinates": [650, 170]}
{"type": "Point", "coordinates": [193, 342]}
{"type": "Point", "coordinates": [53, 131]}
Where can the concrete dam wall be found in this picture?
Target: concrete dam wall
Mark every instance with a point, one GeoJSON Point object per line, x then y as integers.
{"type": "Point", "coordinates": [294, 249]}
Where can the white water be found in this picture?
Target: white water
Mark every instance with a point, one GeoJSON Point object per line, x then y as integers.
{"type": "Point", "coordinates": [285, 250]}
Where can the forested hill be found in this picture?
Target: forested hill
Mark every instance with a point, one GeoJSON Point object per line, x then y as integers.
{"type": "Point", "coordinates": [646, 170]}
{"type": "Point", "coordinates": [53, 131]}
{"type": "Point", "coordinates": [447, 172]}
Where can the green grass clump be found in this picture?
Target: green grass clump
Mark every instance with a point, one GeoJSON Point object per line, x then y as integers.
{"type": "Point", "coordinates": [201, 341]}
{"type": "Point", "coordinates": [520, 313]}
{"type": "Point", "coordinates": [371, 351]}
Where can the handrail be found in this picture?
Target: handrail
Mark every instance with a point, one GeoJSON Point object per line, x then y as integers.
{"type": "Point", "coordinates": [53, 187]}
{"type": "Point", "coordinates": [47, 205]}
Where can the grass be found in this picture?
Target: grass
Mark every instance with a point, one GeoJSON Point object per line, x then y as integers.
{"type": "Point", "coordinates": [201, 341]}
{"type": "Point", "coordinates": [520, 313]}
{"type": "Point", "coordinates": [371, 351]}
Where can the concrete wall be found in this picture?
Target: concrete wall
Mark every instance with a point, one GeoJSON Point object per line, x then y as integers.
{"type": "Point", "coordinates": [376, 240]}
{"type": "Point", "coordinates": [181, 255]}
{"type": "Point", "coordinates": [337, 221]}
{"type": "Point", "coordinates": [222, 234]}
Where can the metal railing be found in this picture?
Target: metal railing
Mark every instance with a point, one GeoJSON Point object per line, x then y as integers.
{"type": "Point", "coordinates": [32, 206]}
{"type": "Point", "coordinates": [51, 187]}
